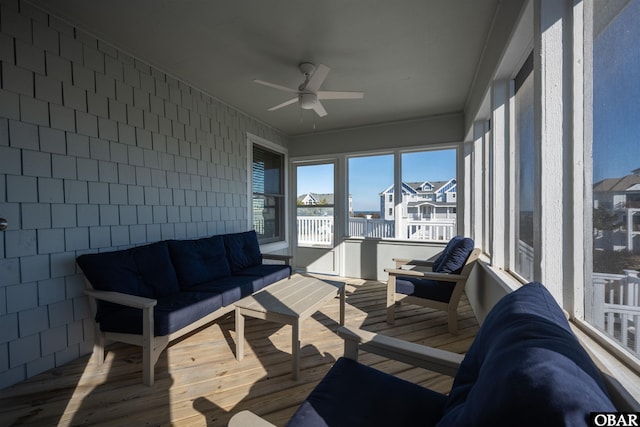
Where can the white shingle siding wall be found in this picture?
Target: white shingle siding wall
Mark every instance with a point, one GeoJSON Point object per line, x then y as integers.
{"type": "Point", "coordinates": [98, 151]}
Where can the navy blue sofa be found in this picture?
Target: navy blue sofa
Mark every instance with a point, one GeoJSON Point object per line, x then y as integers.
{"type": "Point", "coordinates": [149, 295]}
{"type": "Point", "coordinates": [525, 368]}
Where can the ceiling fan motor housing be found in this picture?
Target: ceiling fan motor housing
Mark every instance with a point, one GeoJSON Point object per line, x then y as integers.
{"type": "Point", "coordinates": [307, 100]}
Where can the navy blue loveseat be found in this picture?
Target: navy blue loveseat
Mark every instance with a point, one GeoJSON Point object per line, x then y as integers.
{"type": "Point", "coordinates": [149, 295]}
{"type": "Point", "coordinates": [524, 368]}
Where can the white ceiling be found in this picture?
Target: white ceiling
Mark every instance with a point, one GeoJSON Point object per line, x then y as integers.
{"type": "Point", "coordinates": [411, 58]}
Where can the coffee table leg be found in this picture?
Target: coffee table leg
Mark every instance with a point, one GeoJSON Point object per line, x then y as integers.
{"type": "Point", "coordinates": [295, 348]}
{"type": "Point", "coordinates": [239, 335]}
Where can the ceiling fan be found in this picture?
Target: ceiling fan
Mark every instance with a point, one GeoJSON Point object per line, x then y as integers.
{"type": "Point", "coordinates": [308, 93]}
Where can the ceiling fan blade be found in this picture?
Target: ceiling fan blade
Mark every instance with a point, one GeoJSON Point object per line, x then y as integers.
{"type": "Point", "coordinates": [319, 109]}
{"type": "Point", "coordinates": [317, 78]}
{"type": "Point", "coordinates": [275, 86]}
{"type": "Point", "coordinates": [284, 104]}
{"type": "Point", "coordinates": [330, 94]}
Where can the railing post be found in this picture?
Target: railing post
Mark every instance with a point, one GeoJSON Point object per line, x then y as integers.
{"type": "Point", "coordinates": [598, 304]}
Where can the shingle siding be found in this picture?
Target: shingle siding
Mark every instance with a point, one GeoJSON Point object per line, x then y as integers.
{"type": "Point", "coordinates": [98, 151]}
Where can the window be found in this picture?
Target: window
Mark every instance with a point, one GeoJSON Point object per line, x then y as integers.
{"type": "Point", "coordinates": [429, 188]}
{"type": "Point", "coordinates": [524, 137]}
{"type": "Point", "coordinates": [371, 192]}
{"type": "Point", "coordinates": [268, 192]}
{"type": "Point", "coordinates": [423, 209]}
{"type": "Point", "coordinates": [315, 220]}
{"type": "Point", "coordinates": [612, 292]}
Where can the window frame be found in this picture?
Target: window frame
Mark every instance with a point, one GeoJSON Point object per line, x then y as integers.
{"type": "Point", "coordinates": [583, 116]}
{"type": "Point", "coordinates": [283, 241]}
{"type": "Point", "coordinates": [557, 33]}
{"type": "Point", "coordinates": [522, 74]}
{"type": "Point", "coordinates": [396, 198]}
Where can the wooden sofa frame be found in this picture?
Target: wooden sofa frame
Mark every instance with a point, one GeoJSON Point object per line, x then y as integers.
{"type": "Point", "coordinates": [152, 346]}
{"type": "Point", "coordinates": [432, 359]}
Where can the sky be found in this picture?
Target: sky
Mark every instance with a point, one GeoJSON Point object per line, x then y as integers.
{"type": "Point", "coordinates": [370, 175]}
{"type": "Point", "coordinates": [616, 96]}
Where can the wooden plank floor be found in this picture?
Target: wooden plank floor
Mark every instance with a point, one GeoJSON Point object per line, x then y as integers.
{"type": "Point", "coordinates": [200, 383]}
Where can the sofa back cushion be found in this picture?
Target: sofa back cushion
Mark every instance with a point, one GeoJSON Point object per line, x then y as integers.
{"type": "Point", "coordinates": [526, 366]}
{"type": "Point", "coordinates": [243, 250]}
{"type": "Point", "coordinates": [454, 256]}
{"type": "Point", "coordinates": [199, 261]}
{"type": "Point", "coordinates": [144, 271]}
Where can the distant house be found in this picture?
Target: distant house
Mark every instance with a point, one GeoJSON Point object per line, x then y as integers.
{"type": "Point", "coordinates": [320, 199]}
{"type": "Point", "coordinates": [617, 193]}
{"type": "Point", "coordinates": [620, 197]}
{"type": "Point", "coordinates": [421, 200]}
{"type": "Point", "coordinates": [315, 199]}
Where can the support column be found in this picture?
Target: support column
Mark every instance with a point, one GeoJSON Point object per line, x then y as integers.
{"type": "Point", "coordinates": [554, 162]}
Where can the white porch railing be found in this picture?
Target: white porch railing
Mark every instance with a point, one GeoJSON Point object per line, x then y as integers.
{"type": "Point", "coordinates": [440, 230]}
{"type": "Point", "coordinates": [315, 230]}
{"type": "Point", "coordinates": [318, 230]}
{"type": "Point", "coordinates": [616, 307]}
{"type": "Point", "coordinates": [364, 227]}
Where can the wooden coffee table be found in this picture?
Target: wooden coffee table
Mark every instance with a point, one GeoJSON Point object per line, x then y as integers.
{"type": "Point", "coordinates": [288, 302]}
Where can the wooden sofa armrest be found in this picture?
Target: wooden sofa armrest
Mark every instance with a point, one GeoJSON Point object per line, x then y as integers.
{"type": "Point", "coordinates": [433, 359]}
{"type": "Point", "coordinates": [277, 257]}
{"type": "Point", "coordinates": [248, 419]}
{"type": "Point", "coordinates": [417, 262]}
{"type": "Point", "coordinates": [147, 342]}
{"type": "Point", "coordinates": [122, 299]}
{"type": "Point", "coordinates": [445, 277]}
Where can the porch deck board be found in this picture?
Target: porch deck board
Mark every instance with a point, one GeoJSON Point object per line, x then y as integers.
{"type": "Point", "coordinates": [199, 382]}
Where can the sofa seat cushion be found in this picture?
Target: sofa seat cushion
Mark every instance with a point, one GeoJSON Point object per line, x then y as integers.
{"type": "Point", "coordinates": [525, 365]}
{"type": "Point", "coordinates": [243, 250]}
{"type": "Point", "coordinates": [171, 314]}
{"type": "Point", "coordinates": [424, 288]}
{"type": "Point", "coordinates": [199, 261]}
{"type": "Point", "coordinates": [144, 271]}
{"type": "Point", "coordinates": [270, 273]}
{"type": "Point", "coordinates": [352, 394]}
{"type": "Point", "coordinates": [232, 288]}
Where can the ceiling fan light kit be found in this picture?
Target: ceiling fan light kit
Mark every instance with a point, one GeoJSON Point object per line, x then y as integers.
{"type": "Point", "coordinates": [308, 93]}
{"type": "Point", "coordinates": [307, 100]}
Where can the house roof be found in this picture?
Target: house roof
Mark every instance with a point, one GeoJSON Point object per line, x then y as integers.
{"type": "Point", "coordinates": [625, 183]}
{"type": "Point", "coordinates": [319, 197]}
{"type": "Point", "coordinates": [415, 186]}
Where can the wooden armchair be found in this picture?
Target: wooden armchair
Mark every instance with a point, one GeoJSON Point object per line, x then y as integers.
{"type": "Point", "coordinates": [438, 284]}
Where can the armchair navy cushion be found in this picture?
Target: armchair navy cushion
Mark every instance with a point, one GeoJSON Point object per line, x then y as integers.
{"type": "Point", "coordinates": [199, 261]}
{"type": "Point", "coordinates": [437, 263]}
{"type": "Point", "coordinates": [352, 395]}
{"type": "Point", "coordinates": [424, 288]}
{"type": "Point", "coordinates": [455, 255]}
{"type": "Point", "coordinates": [451, 260]}
{"type": "Point", "coordinates": [525, 367]}
{"type": "Point", "coordinates": [243, 250]}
